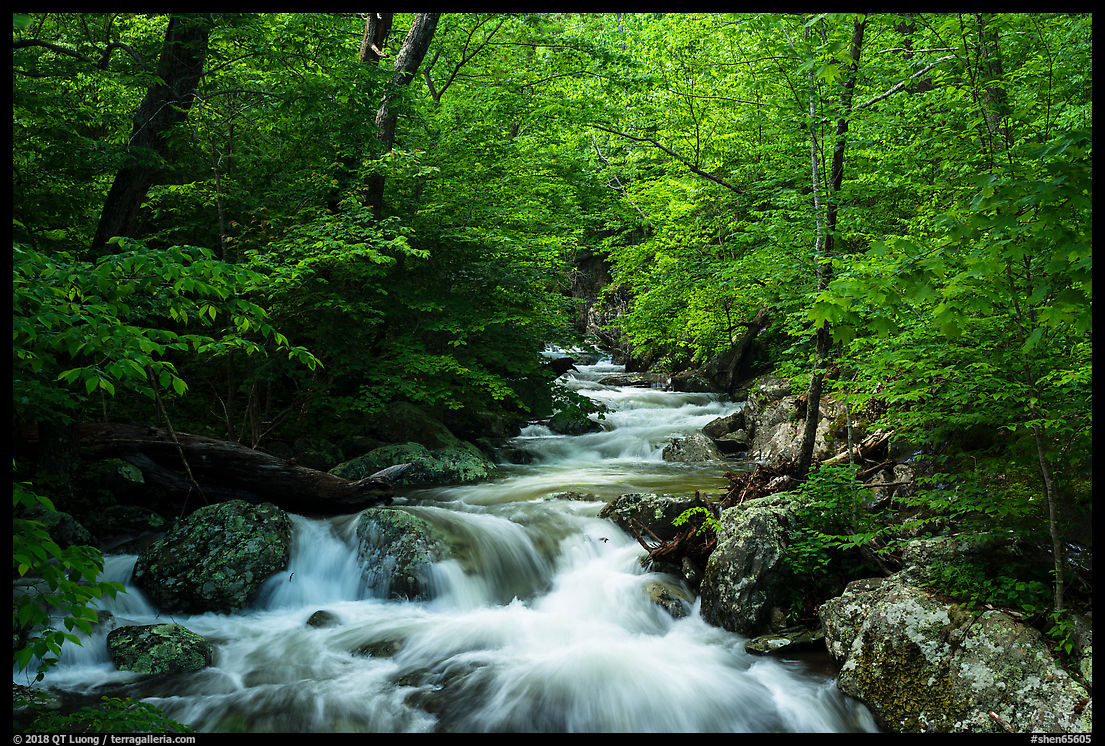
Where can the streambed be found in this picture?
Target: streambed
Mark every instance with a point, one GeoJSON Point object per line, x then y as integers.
{"type": "Point", "coordinates": [543, 622]}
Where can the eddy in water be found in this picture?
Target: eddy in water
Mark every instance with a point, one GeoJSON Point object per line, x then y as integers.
{"type": "Point", "coordinates": [541, 621]}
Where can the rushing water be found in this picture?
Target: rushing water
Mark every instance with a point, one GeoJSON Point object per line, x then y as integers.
{"type": "Point", "coordinates": [541, 623]}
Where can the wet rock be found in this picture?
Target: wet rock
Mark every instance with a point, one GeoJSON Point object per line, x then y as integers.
{"type": "Point", "coordinates": [789, 640]}
{"type": "Point", "coordinates": [922, 665]}
{"type": "Point", "coordinates": [638, 380]}
{"type": "Point", "coordinates": [577, 496]}
{"type": "Point", "coordinates": [323, 618]}
{"type": "Point", "coordinates": [159, 649]}
{"type": "Point", "coordinates": [572, 423]}
{"type": "Point", "coordinates": [694, 448]}
{"type": "Point", "coordinates": [216, 558]}
{"type": "Point", "coordinates": [746, 575]}
{"type": "Point", "coordinates": [652, 511]}
{"type": "Point", "coordinates": [398, 551]}
{"type": "Point", "coordinates": [456, 464]}
{"type": "Point", "coordinates": [670, 599]}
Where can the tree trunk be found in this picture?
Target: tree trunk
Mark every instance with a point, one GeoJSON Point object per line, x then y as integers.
{"type": "Point", "coordinates": [166, 104]}
{"type": "Point", "coordinates": [406, 66]}
{"type": "Point", "coordinates": [824, 261]}
{"type": "Point", "coordinates": [723, 370]}
{"type": "Point", "coordinates": [224, 470]}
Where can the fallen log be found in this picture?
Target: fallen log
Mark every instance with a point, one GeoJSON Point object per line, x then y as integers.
{"type": "Point", "coordinates": [220, 470]}
{"type": "Point", "coordinates": [865, 448]}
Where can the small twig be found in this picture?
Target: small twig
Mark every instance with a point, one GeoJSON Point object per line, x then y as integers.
{"type": "Point", "coordinates": [172, 433]}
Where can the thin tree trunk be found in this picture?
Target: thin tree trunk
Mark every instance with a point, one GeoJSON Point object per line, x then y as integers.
{"type": "Point", "coordinates": [166, 104]}
{"type": "Point", "coordinates": [824, 258]}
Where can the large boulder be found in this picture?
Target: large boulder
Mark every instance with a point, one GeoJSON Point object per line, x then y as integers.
{"type": "Point", "coordinates": [459, 463]}
{"type": "Point", "coordinates": [775, 420]}
{"type": "Point", "coordinates": [923, 665]}
{"type": "Point", "coordinates": [159, 649]}
{"type": "Point", "coordinates": [638, 380]}
{"type": "Point", "coordinates": [746, 575]}
{"type": "Point", "coordinates": [216, 558]}
{"type": "Point", "coordinates": [692, 449]}
{"type": "Point", "coordinates": [397, 550]}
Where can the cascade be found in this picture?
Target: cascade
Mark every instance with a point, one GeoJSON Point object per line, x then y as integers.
{"type": "Point", "coordinates": [542, 623]}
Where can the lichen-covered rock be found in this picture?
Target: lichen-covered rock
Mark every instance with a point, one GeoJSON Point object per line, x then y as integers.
{"type": "Point", "coordinates": [656, 512]}
{"type": "Point", "coordinates": [775, 425]}
{"type": "Point", "coordinates": [746, 574]}
{"type": "Point", "coordinates": [398, 550]}
{"type": "Point", "coordinates": [216, 558]}
{"type": "Point", "coordinates": [455, 464]}
{"type": "Point", "coordinates": [692, 449]}
{"type": "Point", "coordinates": [922, 665]}
{"type": "Point", "coordinates": [159, 649]}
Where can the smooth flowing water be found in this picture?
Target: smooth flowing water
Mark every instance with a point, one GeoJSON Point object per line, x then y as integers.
{"type": "Point", "coordinates": [542, 622]}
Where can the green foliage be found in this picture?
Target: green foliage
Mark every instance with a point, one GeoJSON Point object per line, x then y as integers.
{"type": "Point", "coordinates": [707, 523]}
{"type": "Point", "coordinates": [71, 579]}
{"type": "Point", "coordinates": [976, 585]}
{"type": "Point", "coordinates": [833, 520]}
{"type": "Point", "coordinates": [110, 715]}
{"type": "Point", "coordinates": [118, 324]}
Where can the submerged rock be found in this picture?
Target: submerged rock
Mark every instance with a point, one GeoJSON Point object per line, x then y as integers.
{"type": "Point", "coordinates": [398, 551]}
{"type": "Point", "coordinates": [670, 599]}
{"type": "Point", "coordinates": [455, 464]}
{"type": "Point", "coordinates": [216, 558]}
{"type": "Point", "coordinates": [787, 640]}
{"type": "Point", "coordinates": [922, 665]}
{"type": "Point", "coordinates": [159, 649]}
{"type": "Point", "coordinates": [745, 575]}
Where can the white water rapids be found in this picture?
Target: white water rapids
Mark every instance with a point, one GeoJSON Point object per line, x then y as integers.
{"type": "Point", "coordinates": [542, 624]}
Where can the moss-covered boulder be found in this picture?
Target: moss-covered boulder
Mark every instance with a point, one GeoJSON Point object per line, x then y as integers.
{"type": "Point", "coordinates": [398, 550]}
{"type": "Point", "coordinates": [456, 464]}
{"type": "Point", "coordinates": [746, 574]}
{"type": "Point", "coordinates": [216, 558]}
{"type": "Point", "coordinates": [922, 665]}
{"type": "Point", "coordinates": [159, 649]}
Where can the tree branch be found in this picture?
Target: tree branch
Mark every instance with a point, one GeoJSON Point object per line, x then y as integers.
{"type": "Point", "coordinates": [899, 86]}
{"type": "Point", "coordinates": [690, 166]}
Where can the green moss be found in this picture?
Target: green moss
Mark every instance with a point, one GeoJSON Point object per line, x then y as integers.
{"type": "Point", "coordinates": [912, 700]}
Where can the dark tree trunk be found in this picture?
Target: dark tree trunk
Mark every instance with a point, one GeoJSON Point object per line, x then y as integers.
{"type": "Point", "coordinates": [166, 104]}
{"type": "Point", "coordinates": [224, 470]}
{"type": "Point", "coordinates": [406, 66]}
{"type": "Point", "coordinates": [723, 371]}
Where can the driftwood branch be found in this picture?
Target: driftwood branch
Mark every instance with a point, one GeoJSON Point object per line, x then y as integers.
{"type": "Point", "coordinates": [226, 470]}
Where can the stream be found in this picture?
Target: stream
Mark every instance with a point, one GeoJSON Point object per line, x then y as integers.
{"type": "Point", "coordinates": [544, 624]}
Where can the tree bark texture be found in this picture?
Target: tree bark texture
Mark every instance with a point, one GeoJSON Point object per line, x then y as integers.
{"type": "Point", "coordinates": [165, 105]}
{"type": "Point", "coordinates": [824, 261]}
{"type": "Point", "coordinates": [410, 56]}
{"type": "Point", "coordinates": [224, 470]}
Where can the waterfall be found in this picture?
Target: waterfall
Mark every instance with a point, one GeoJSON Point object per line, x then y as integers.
{"type": "Point", "coordinates": [540, 621]}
